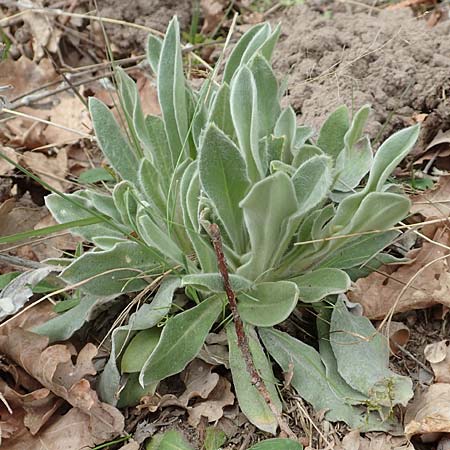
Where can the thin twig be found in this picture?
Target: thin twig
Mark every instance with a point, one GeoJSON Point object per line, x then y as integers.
{"type": "Point", "coordinates": [242, 339]}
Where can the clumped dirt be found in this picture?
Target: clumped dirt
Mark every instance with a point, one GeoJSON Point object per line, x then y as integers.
{"type": "Point", "coordinates": [154, 14]}
{"type": "Point", "coordinates": [388, 59]}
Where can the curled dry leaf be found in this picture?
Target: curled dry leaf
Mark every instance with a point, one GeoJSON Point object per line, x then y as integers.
{"type": "Point", "coordinates": [52, 170]}
{"type": "Point", "coordinates": [398, 335]}
{"type": "Point", "coordinates": [434, 203]}
{"type": "Point", "coordinates": [381, 291]}
{"type": "Point", "coordinates": [429, 414]}
{"type": "Point", "coordinates": [6, 168]}
{"type": "Point", "coordinates": [206, 394]}
{"type": "Point", "coordinates": [52, 366]}
{"type": "Point", "coordinates": [438, 355]}
{"type": "Point", "coordinates": [374, 441]}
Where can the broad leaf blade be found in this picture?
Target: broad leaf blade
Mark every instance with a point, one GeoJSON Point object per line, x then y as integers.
{"type": "Point", "coordinates": [181, 340]}
{"type": "Point", "coordinates": [250, 400]}
{"type": "Point", "coordinates": [331, 136]}
{"type": "Point", "coordinates": [213, 282]}
{"type": "Point", "coordinates": [268, 303]}
{"type": "Point", "coordinates": [224, 178]}
{"type": "Point", "coordinates": [113, 143]}
{"type": "Point", "coordinates": [277, 444]}
{"type": "Point", "coordinates": [354, 338]}
{"type": "Point", "coordinates": [318, 284]}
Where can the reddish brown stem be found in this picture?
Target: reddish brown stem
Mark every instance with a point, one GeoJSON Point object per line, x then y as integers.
{"type": "Point", "coordinates": [242, 339]}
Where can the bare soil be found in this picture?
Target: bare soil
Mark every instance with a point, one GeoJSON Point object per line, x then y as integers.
{"type": "Point", "coordinates": [351, 55]}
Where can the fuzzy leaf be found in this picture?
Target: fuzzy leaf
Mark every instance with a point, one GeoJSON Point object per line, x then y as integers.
{"type": "Point", "coordinates": [312, 181]}
{"type": "Point", "coordinates": [181, 340]}
{"type": "Point", "coordinates": [220, 112]}
{"type": "Point", "coordinates": [172, 92]}
{"type": "Point", "coordinates": [286, 127]}
{"type": "Point", "coordinates": [316, 285]}
{"type": "Point", "coordinates": [389, 155]}
{"type": "Point", "coordinates": [309, 376]}
{"type": "Point", "coordinates": [250, 400]}
{"type": "Point", "coordinates": [268, 304]}
{"type": "Point", "coordinates": [244, 108]}
{"type": "Point", "coordinates": [354, 339]}
{"type": "Point", "coordinates": [112, 271]}
{"type": "Point", "coordinates": [213, 282]}
{"type": "Point", "coordinates": [132, 393]}
{"type": "Point", "coordinates": [331, 136]}
{"type": "Point", "coordinates": [306, 152]}
{"type": "Point", "coordinates": [224, 179]}
{"type": "Point", "coordinates": [113, 143]}
{"type": "Point", "coordinates": [170, 440]}
{"type": "Point", "coordinates": [266, 208]}
{"type": "Point", "coordinates": [139, 349]}
{"type": "Point", "coordinates": [154, 45]}
{"type": "Point", "coordinates": [235, 58]}
{"type": "Point", "coordinates": [62, 327]}
{"type": "Point", "coordinates": [147, 316]}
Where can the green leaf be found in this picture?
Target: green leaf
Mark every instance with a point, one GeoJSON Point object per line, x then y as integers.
{"type": "Point", "coordinates": [312, 181]}
{"type": "Point", "coordinates": [154, 45]}
{"type": "Point", "coordinates": [170, 440]}
{"type": "Point", "coordinates": [224, 179]}
{"type": "Point", "coordinates": [139, 350]}
{"type": "Point", "coordinates": [113, 143]}
{"type": "Point", "coordinates": [256, 43]}
{"type": "Point", "coordinates": [125, 203]}
{"type": "Point", "coordinates": [286, 127]}
{"type": "Point", "coordinates": [309, 376]}
{"type": "Point", "coordinates": [159, 239]}
{"type": "Point", "coordinates": [267, 87]}
{"type": "Point", "coordinates": [306, 152]}
{"type": "Point", "coordinates": [220, 111]}
{"type": "Point", "coordinates": [277, 444]}
{"type": "Point", "coordinates": [389, 155]}
{"type": "Point", "coordinates": [266, 208]}
{"type": "Point", "coordinates": [181, 340]}
{"type": "Point", "coordinates": [355, 132]}
{"type": "Point", "coordinates": [331, 136]}
{"type": "Point", "coordinates": [316, 285]}
{"type": "Point", "coordinates": [95, 175]}
{"type": "Point", "coordinates": [147, 316]}
{"type": "Point", "coordinates": [65, 211]}
{"type": "Point", "coordinates": [214, 439]}
{"type": "Point", "coordinates": [244, 108]}
{"type": "Point", "coordinates": [353, 164]}
{"type": "Point", "coordinates": [213, 282]}
{"type": "Point", "coordinates": [149, 183]}
{"type": "Point", "coordinates": [359, 251]}
{"type": "Point", "coordinates": [354, 339]}
{"type": "Point", "coordinates": [112, 271]}
{"type": "Point", "coordinates": [62, 327]}
{"type": "Point", "coordinates": [189, 194]}
{"type": "Point", "coordinates": [172, 92]}
{"type": "Point", "coordinates": [132, 393]}
{"type": "Point", "coordinates": [6, 278]}
{"type": "Point", "coordinates": [250, 400]}
{"type": "Point", "coordinates": [268, 304]}
{"type": "Point", "coordinates": [235, 58]}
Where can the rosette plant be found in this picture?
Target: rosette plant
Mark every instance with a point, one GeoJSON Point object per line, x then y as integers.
{"type": "Point", "coordinates": [295, 211]}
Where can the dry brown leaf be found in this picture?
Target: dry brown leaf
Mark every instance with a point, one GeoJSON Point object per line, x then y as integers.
{"type": "Point", "coordinates": [378, 293]}
{"type": "Point", "coordinates": [52, 170]}
{"type": "Point", "coordinates": [212, 408]}
{"type": "Point", "coordinates": [429, 413]}
{"type": "Point", "coordinates": [212, 11]}
{"type": "Point", "coordinates": [438, 355]}
{"type": "Point", "coordinates": [199, 381]}
{"type": "Point", "coordinates": [373, 441]}
{"type": "Point", "coordinates": [6, 168]}
{"type": "Point", "coordinates": [53, 368]}
{"type": "Point", "coordinates": [45, 35]}
{"type": "Point", "coordinates": [132, 445]}
{"type": "Point", "coordinates": [434, 203]}
{"type": "Point", "coordinates": [398, 335]}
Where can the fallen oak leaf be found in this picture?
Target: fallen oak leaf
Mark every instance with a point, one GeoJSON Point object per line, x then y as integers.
{"type": "Point", "coordinates": [429, 413]}
{"type": "Point", "coordinates": [379, 293]}
{"type": "Point", "coordinates": [438, 355]}
{"type": "Point", "coordinates": [53, 368]}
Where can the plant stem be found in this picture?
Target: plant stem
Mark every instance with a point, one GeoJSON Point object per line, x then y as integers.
{"type": "Point", "coordinates": [242, 339]}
